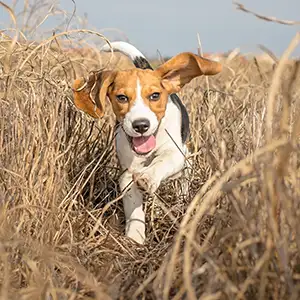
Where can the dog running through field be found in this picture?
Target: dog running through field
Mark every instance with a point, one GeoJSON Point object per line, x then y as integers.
{"type": "Point", "coordinates": [153, 122]}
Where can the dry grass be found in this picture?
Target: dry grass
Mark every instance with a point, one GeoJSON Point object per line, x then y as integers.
{"type": "Point", "coordinates": [235, 236]}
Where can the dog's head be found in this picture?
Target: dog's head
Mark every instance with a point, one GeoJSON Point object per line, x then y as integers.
{"type": "Point", "coordinates": [139, 97]}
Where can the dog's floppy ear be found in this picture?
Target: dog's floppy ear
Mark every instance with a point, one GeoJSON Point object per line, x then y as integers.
{"type": "Point", "coordinates": [182, 68]}
{"type": "Point", "coordinates": [90, 96]}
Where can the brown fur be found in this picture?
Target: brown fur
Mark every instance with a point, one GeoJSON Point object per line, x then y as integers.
{"type": "Point", "coordinates": [168, 78]}
{"type": "Point", "coordinates": [126, 83]}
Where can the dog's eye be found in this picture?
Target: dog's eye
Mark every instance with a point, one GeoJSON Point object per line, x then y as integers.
{"type": "Point", "coordinates": [122, 98]}
{"type": "Point", "coordinates": [154, 96]}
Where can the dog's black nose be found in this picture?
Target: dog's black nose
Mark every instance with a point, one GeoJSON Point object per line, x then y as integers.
{"type": "Point", "coordinates": [141, 125]}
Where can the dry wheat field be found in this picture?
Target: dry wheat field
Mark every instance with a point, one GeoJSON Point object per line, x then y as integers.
{"type": "Point", "coordinates": [235, 235]}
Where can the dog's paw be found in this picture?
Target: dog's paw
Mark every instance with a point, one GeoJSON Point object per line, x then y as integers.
{"type": "Point", "coordinates": [137, 237]}
{"type": "Point", "coordinates": [145, 182]}
{"type": "Point", "coordinates": [135, 229]}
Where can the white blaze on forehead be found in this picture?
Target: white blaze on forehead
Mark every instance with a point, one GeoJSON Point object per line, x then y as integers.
{"type": "Point", "coordinates": [139, 110]}
{"type": "Point", "coordinates": [138, 90]}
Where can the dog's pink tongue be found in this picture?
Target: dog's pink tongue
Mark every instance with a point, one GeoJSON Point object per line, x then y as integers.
{"type": "Point", "coordinates": [143, 144]}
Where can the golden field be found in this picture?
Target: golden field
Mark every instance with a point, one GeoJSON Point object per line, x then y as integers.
{"type": "Point", "coordinates": [234, 236]}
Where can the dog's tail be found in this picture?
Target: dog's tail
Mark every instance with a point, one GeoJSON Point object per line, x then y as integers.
{"type": "Point", "coordinates": [138, 59]}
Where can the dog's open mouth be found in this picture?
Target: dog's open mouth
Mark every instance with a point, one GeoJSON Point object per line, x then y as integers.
{"type": "Point", "coordinates": [143, 144]}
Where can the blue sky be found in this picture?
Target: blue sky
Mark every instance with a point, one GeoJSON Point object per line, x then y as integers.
{"type": "Point", "coordinates": [172, 26]}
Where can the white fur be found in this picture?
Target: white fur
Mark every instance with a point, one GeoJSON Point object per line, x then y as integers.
{"type": "Point", "coordinates": [124, 48]}
{"type": "Point", "coordinates": [139, 111]}
{"type": "Point", "coordinates": [168, 162]}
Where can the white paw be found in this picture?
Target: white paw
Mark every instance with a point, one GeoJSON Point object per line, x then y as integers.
{"type": "Point", "coordinates": [136, 233]}
{"type": "Point", "coordinates": [145, 182]}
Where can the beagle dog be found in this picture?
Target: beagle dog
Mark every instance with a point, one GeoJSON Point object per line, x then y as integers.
{"type": "Point", "coordinates": [153, 124]}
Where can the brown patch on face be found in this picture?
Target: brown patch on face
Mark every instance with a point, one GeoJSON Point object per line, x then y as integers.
{"type": "Point", "coordinates": [125, 83]}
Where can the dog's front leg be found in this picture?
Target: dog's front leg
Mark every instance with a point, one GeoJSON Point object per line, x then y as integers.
{"type": "Point", "coordinates": [133, 209]}
{"type": "Point", "coordinates": [166, 165]}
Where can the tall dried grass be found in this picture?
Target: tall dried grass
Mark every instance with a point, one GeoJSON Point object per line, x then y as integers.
{"type": "Point", "coordinates": [235, 236]}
